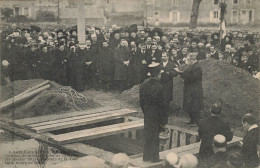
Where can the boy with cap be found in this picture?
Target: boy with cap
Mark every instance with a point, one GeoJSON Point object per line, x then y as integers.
{"type": "Point", "coordinates": [219, 158]}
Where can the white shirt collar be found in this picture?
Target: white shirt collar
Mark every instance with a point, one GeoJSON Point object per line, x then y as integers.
{"type": "Point", "coordinates": [252, 127]}
{"type": "Point", "coordinates": [165, 63]}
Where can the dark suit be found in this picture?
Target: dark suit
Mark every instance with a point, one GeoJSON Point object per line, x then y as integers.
{"type": "Point", "coordinates": [154, 106]}
{"type": "Point", "coordinates": [167, 79]}
{"type": "Point", "coordinates": [193, 93]}
{"type": "Point", "coordinates": [249, 148]}
{"type": "Point", "coordinates": [140, 68]}
{"type": "Point", "coordinates": [218, 159]}
{"type": "Point", "coordinates": [208, 128]}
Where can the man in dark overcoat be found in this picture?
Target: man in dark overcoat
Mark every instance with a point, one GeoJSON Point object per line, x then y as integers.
{"type": "Point", "coordinates": [250, 141]}
{"type": "Point", "coordinates": [211, 126]}
{"type": "Point", "coordinates": [121, 57]}
{"type": "Point", "coordinates": [32, 60]}
{"type": "Point", "coordinates": [153, 102]}
{"type": "Point", "coordinates": [60, 65]}
{"type": "Point", "coordinates": [106, 66]}
{"type": "Point", "coordinates": [192, 93]}
{"type": "Point", "coordinates": [75, 63]}
{"type": "Point", "coordinates": [167, 75]}
{"type": "Point", "coordinates": [141, 64]}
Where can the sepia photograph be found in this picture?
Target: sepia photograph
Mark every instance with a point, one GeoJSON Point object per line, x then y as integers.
{"type": "Point", "coordinates": [129, 83]}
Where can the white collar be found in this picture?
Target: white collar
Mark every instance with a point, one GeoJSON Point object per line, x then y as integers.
{"type": "Point", "coordinates": [165, 63]}
{"type": "Point", "coordinates": [252, 127]}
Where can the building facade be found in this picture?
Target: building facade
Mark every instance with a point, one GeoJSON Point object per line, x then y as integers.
{"type": "Point", "coordinates": [125, 12]}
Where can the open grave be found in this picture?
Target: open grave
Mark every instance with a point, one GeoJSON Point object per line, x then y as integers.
{"type": "Point", "coordinates": [98, 131]}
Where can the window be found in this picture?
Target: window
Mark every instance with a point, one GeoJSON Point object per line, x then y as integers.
{"type": "Point", "coordinates": [107, 1]}
{"type": "Point", "coordinates": [156, 13]}
{"type": "Point", "coordinates": [215, 14]}
{"type": "Point", "coordinates": [215, 2]}
{"type": "Point", "coordinates": [235, 2]}
{"type": "Point", "coordinates": [244, 12]}
{"type": "Point", "coordinates": [174, 2]}
{"type": "Point", "coordinates": [248, 2]}
{"type": "Point", "coordinates": [26, 11]}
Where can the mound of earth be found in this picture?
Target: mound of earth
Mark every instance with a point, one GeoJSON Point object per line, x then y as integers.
{"type": "Point", "coordinates": [237, 89]}
{"type": "Point", "coordinates": [50, 101]}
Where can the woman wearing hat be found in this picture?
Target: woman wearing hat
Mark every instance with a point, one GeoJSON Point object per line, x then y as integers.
{"type": "Point", "coordinates": [153, 102]}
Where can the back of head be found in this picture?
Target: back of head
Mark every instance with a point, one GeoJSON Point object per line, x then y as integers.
{"type": "Point", "coordinates": [171, 160]}
{"type": "Point", "coordinates": [249, 118]}
{"type": "Point", "coordinates": [188, 161]}
{"type": "Point", "coordinates": [120, 160]}
{"type": "Point", "coordinates": [219, 143]}
{"type": "Point", "coordinates": [216, 108]}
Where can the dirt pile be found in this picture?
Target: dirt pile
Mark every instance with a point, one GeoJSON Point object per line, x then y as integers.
{"type": "Point", "coordinates": [234, 87]}
{"type": "Point", "coordinates": [50, 101]}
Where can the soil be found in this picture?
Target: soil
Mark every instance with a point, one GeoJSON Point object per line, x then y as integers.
{"type": "Point", "coordinates": [50, 101]}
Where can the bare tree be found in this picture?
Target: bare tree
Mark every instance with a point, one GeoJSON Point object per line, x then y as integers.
{"type": "Point", "coordinates": [194, 14]}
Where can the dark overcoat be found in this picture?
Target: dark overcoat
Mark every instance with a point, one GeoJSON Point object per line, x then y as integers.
{"type": "Point", "coordinates": [106, 64]}
{"type": "Point", "coordinates": [121, 54]}
{"type": "Point", "coordinates": [192, 92]}
{"type": "Point", "coordinates": [167, 79]}
{"type": "Point", "coordinates": [141, 69]}
{"type": "Point", "coordinates": [153, 102]}
{"type": "Point", "coordinates": [76, 76]}
{"type": "Point", "coordinates": [60, 67]}
{"type": "Point", "coordinates": [208, 128]}
{"type": "Point", "coordinates": [32, 60]}
{"type": "Point", "coordinates": [249, 148]}
{"type": "Point", "coordinates": [46, 66]}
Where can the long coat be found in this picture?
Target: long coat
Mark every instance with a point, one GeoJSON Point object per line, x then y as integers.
{"type": "Point", "coordinates": [89, 55]}
{"type": "Point", "coordinates": [76, 76]}
{"type": "Point", "coordinates": [121, 54]}
{"type": "Point", "coordinates": [106, 64]}
{"type": "Point", "coordinates": [153, 102]}
{"type": "Point", "coordinates": [218, 159]}
{"type": "Point", "coordinates": [46, 65]}
{"type": "Point", "coordinates": [140, 68]}
{"type": "Point", "coordinates": [60, 67]}
{"type": "Point", "coordinates": [167, 79]}
{"type": "Point", "coordinates": [208, 128]}
{"type": "Point", "coordinates": [193, 93]}
{"type": "Point", "coordinates": [249, 148]}
{"type": "Point", "coordinates": [32, 60]}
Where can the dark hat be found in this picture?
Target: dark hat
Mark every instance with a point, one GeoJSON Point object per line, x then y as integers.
{"type": "Point", "coordinates": [72, 30]}
{"type": "Point", "coordinates": [26, 29]}
{"type": "Point", "coordinates": [216, 108]}
{"type": "Point", "coordinates": [204, 36]}
{"type": "Point", "coordinates": [219, 141]}
{"type": "Point", "coordinates": [154, 69]}
{"type": "Point", "coordinates": [195, 40]}
{"type": "Point", "coordinates": [190, 35]}
{"type": "Point", "coordinates": [158, 31]}
{"type": "Point", "coordinates": [213, 34]}
{"type": "Point", "coordinates": [133, 28]}
{"type": "Point", "coordinates": [36, 28]}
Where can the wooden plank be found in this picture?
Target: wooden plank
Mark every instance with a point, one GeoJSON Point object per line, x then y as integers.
{"type": "Point", "coordinates": [33, 120]}
{"type": "Point", "coordinates": [174, 139]}
{"type": "Point", "coordinates": [187, 131]}
{"type": "Point", "coordinates": [126, 134]}
{"type": "Point", "coordinates": [90, 150]}
{"type": "Point", "coordinates": [20, 98]}
{"type": "Point", "coordinates": [92, 133]}
{"type": "Point", "coordinates": [123, 111]}
{"type": "Point", "coordinates": [183, 139]}
{"type": "Point", "coordinates": [84, 121]}
{"type": "Point", "coordinates": [27, 91]}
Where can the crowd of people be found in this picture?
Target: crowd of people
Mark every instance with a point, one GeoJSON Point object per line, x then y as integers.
{"type": "Point", "coordinates": [116, 58]}
{"type": "Point", "coordinates": [113, 57]}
